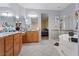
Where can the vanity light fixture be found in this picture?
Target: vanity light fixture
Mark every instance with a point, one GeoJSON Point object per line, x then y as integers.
{"type": "Point", "coordinates": [32, 15]}
{"type": "Point", "coordinates": [26, 20]}
{"type": "Point", "coordinates": [4, 14]}
{"type": "Point", "coordinates": [17, 17]}
{"type": "Point", "coordinates": [7, 14]}
{"type": "Point", "coordinates": [10, 14]}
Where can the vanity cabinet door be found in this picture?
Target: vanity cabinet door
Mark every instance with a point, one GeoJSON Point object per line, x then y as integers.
{"type": "Point", "coordinates": [35, 36]}
{"type": "Point", "coordinates": [29, 37]}
{"type": "Point", "coordinates": [8, 45]}
{"type": "Point", "coordinates": [9, 53]}
{"type": "Point", "coordinates": [1, 46]}
{"type": "Point", "coordinates": [20, 40]}
{"type": "Point", "coordinates": [24, 38]}
{"type": "Point", "coordinates": [16, 44]}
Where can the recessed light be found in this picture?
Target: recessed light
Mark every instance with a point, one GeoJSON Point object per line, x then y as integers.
{"type": "Point", "coordinates": [59, 7]}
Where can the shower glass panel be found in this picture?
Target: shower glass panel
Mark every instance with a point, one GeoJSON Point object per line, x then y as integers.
{"type": "Point", "coordinates": [68, 38]}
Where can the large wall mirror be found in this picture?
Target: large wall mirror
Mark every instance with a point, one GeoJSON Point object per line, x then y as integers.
{"type": "Point", "coordinates": [32, 22]}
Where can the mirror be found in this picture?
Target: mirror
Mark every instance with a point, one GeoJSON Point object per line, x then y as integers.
{"type": "Point", "coordinates": [32, 23]}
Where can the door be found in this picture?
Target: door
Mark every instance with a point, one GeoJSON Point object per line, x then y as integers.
{"type": "Point", "coordinates": [35, 36]}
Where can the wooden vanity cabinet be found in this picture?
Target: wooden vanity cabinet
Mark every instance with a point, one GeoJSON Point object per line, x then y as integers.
{"type": "Point", "coordinates": [31, 36]}
{"type": "Point", "coordinates": [11, 45]}
{"type": "Point", "coordinates": [1, 46]}
{"type": "Point", "coordinates": [24, 38]}
{"type": "Point", "coordinates": [17, 43]}
{"type": "Point", "coordinates": [8, 44]}
{"type": "Point", "coordinates": [35, 36]}
{"type": "Point", "coordinates": [20, 39]}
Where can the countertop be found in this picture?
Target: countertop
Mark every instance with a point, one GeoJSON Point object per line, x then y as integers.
{"type": "Point", "coordinates": [3, 34]}
{"type": "Point", "coordinates": [7, 33]}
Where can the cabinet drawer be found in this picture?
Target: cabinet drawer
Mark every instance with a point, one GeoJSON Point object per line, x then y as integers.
{"type": "Point", "coordinates": [29, 37]}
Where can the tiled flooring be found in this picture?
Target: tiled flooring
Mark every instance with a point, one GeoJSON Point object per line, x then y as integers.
{"type": "Point", "coordinates": [43, 48]}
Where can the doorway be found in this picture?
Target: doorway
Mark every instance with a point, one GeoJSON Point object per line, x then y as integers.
{"type": "Point", "coordinates": [44, 27]}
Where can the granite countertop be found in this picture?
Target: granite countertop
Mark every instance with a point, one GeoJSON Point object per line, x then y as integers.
{"type": "Point", "coordinates": [7, 33]}
{"type": "Point", "coordinates": [3, 34]}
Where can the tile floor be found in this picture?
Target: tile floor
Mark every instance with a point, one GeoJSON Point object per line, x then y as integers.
{"type": "Point", "coordinates": [43, 48]}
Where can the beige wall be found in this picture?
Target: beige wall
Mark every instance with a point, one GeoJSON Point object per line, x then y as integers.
{"type": "Point", "coordinates": [44, 22]}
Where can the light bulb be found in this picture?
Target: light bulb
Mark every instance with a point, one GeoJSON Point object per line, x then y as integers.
{"type": "Point", "coordinates": [10, 14]}
{"type": "Point", "coordinates": [17, 16]}
{"type": "Point", "coordinates": [4, 14]}
{"type": "Point", "coordinates": [32, 15]}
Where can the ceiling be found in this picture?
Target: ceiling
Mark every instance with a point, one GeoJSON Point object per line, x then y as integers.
{"type": "Point", "coordinates": [45, 6]}
{"type": "Point", "coordinates": [4, 5]}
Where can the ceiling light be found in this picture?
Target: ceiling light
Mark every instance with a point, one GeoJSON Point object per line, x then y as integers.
{"type": "Point", "coordinates": [17, 17]}
{"type": "Point", "coordinates": [31, 15]}
{"type": "Point", "coordinates": [4, 14]}
{"type": "Point", "coordinates": [10, 14]}
{"type": "Point", "coordinates": [26, 20]}
{"type": "Point", "coordinates": [58, 6]}
{"type": "Point", "coordinates": [7, 14]}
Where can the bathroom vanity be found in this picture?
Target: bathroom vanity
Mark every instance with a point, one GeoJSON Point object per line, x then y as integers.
{"type": "Point", "coordinates": [30, 36]}
{"type": "Point", "coordinates": [10, 43]}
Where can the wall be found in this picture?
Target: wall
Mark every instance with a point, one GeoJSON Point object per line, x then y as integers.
{"type": "Point", "coordinates": [44, 21]}
{"type": "Point", "coordinates": [69, 19]}
{"type": "Point", "coordinates": [17, 9]}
